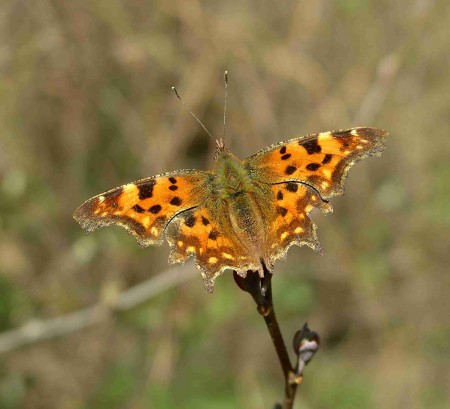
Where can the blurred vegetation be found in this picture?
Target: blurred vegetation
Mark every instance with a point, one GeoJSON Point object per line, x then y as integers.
{"type": "Point", "coordinates": [86, 105]}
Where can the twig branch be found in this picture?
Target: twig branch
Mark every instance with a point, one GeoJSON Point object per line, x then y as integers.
{"type": "Point", "coordinates": [42, 330]}
{"type": "Point", "coordinates": [378, 92]}
{"type": "Point", "coordinates": [290, 387]}
{"type": "Point", "coordinates": [305, 342]}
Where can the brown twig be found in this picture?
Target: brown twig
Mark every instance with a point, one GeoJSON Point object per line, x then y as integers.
{"type": "Point", "coordinates": [305, 342]}
{"type": "Point", "coordinates": [290, 387]}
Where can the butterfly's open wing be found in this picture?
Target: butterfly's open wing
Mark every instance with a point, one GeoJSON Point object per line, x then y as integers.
{"type": "Point", "coordinates": [145, 207]}
{"type": "Point", "coordinates": [175, 206]}
{"type": "Point", "coordinates": [320, 160]}
{"type": "Point", "coordinates": [303, 173]}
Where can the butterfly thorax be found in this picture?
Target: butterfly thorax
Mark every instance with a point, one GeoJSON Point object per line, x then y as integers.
{"type": "Point", "coordinates": [238, 196]}
{"type": "Point", "coordinates": [232, 178]}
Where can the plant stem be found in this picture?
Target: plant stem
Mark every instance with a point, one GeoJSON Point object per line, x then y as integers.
{"type": "Point", "coordinates": [261, 291]}
{"type": "Point", "coordinates": [268, 312]}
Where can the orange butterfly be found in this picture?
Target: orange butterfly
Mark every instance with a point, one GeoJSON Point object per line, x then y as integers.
{"type": "Point", "coordinates": [242, 214]}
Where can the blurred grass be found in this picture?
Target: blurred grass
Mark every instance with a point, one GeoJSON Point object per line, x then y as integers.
{"type": "Point", "coordinates": [86, 105]}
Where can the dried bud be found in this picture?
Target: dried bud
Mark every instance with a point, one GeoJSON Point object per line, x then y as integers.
{"type": "Point", "coordinates": [305, 343]}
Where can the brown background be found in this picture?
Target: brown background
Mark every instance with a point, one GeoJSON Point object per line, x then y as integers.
{"type": "Point", "coordinates": [86, 105]}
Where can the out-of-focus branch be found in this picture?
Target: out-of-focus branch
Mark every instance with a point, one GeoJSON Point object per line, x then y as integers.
{"type": "Point", "coordinates": [41, 330]}
{"type": "Point", "coordinates": [378, 92]}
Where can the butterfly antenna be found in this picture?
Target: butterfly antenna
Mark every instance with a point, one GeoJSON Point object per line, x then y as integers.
{"type": "Point", "coordinates": [221, 143]}
{"type": "Point", "coordinates": [198, 120]}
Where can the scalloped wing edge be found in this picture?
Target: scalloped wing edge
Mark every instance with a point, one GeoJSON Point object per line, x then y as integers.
{"type": "Point", "coordinates": [379, 145]}
{"type": "Point", "coordinates": [208, 280]}
{"type": "Point", "coordinates": [90, 224]}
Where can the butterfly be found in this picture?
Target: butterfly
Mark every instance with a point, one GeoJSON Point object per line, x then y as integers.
{"type": "Point", "coordinates": [243, 214]}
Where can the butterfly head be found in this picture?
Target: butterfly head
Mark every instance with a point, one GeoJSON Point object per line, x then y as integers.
{"type": "Point", "coordinates": [221, 150]}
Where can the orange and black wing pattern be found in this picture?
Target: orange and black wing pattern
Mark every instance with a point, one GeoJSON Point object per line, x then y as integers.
{"type": "Point", "coordinates": [291, 224]}
{"type": "Point", "coordinates": [321, 160]}
{"type": "Point", "coordinates": [145, 207]}
{"type": "Point", "coordinates": [207, 234]}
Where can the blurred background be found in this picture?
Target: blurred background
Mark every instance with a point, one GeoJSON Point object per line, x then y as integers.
{"type": "Point", "coordinates": [86, 105]}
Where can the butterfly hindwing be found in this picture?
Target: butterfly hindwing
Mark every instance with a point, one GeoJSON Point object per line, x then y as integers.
{"type": "Point", "coordinates": [146, 206]}
{"type": "Point", "coordinates": [205, 234]}
{"type": "Point", "coordinates": [292, 225]}
{"type": "Point", "coordinates": [321, 160]}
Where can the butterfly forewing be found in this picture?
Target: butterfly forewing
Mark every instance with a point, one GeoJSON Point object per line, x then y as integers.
{"type": "Point", "coordinates": [321, 160]}
{"type": "Point", "coordinates": [145, 207]}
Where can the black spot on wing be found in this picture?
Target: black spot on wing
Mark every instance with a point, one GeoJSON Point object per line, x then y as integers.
{"type": "Point", "coordinates": [146, 189]}
{"type": "Point", "coordinates": [281, 210]}
{"type": "Point", "coordinates": [313, 166]}
{"type": "Point", "coordinates": [311, 146]}
{"type": "Point", "coordinates": [173, 187]}
{"type": "Point", "coordinates": [176, 201]}
{"type": "Point", "coordinates": [205, 221]}
{"type": "Point", "coordinates": [327, 158]}
{"type": "Point", "coordinates": [291, 186]}
{"type": "Point", "coordinates": [155, 209]}
{"type": "Point", "coordinates": [280, 195]}
{"type": "Point", "coordinates": [286, 156]}
{"type": "Point", "coordinates": [283, 150]}
{"type": "Point", "coordinates": [172, 180]}
{"type": "Point", "coordinates": [290, 170]}
{"type": "Point", "coordinates": [190, 221]}
{"type": "Point", "coordinates": [138, 209]}
{"type": "Point", "coordinates": [213, 235]}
